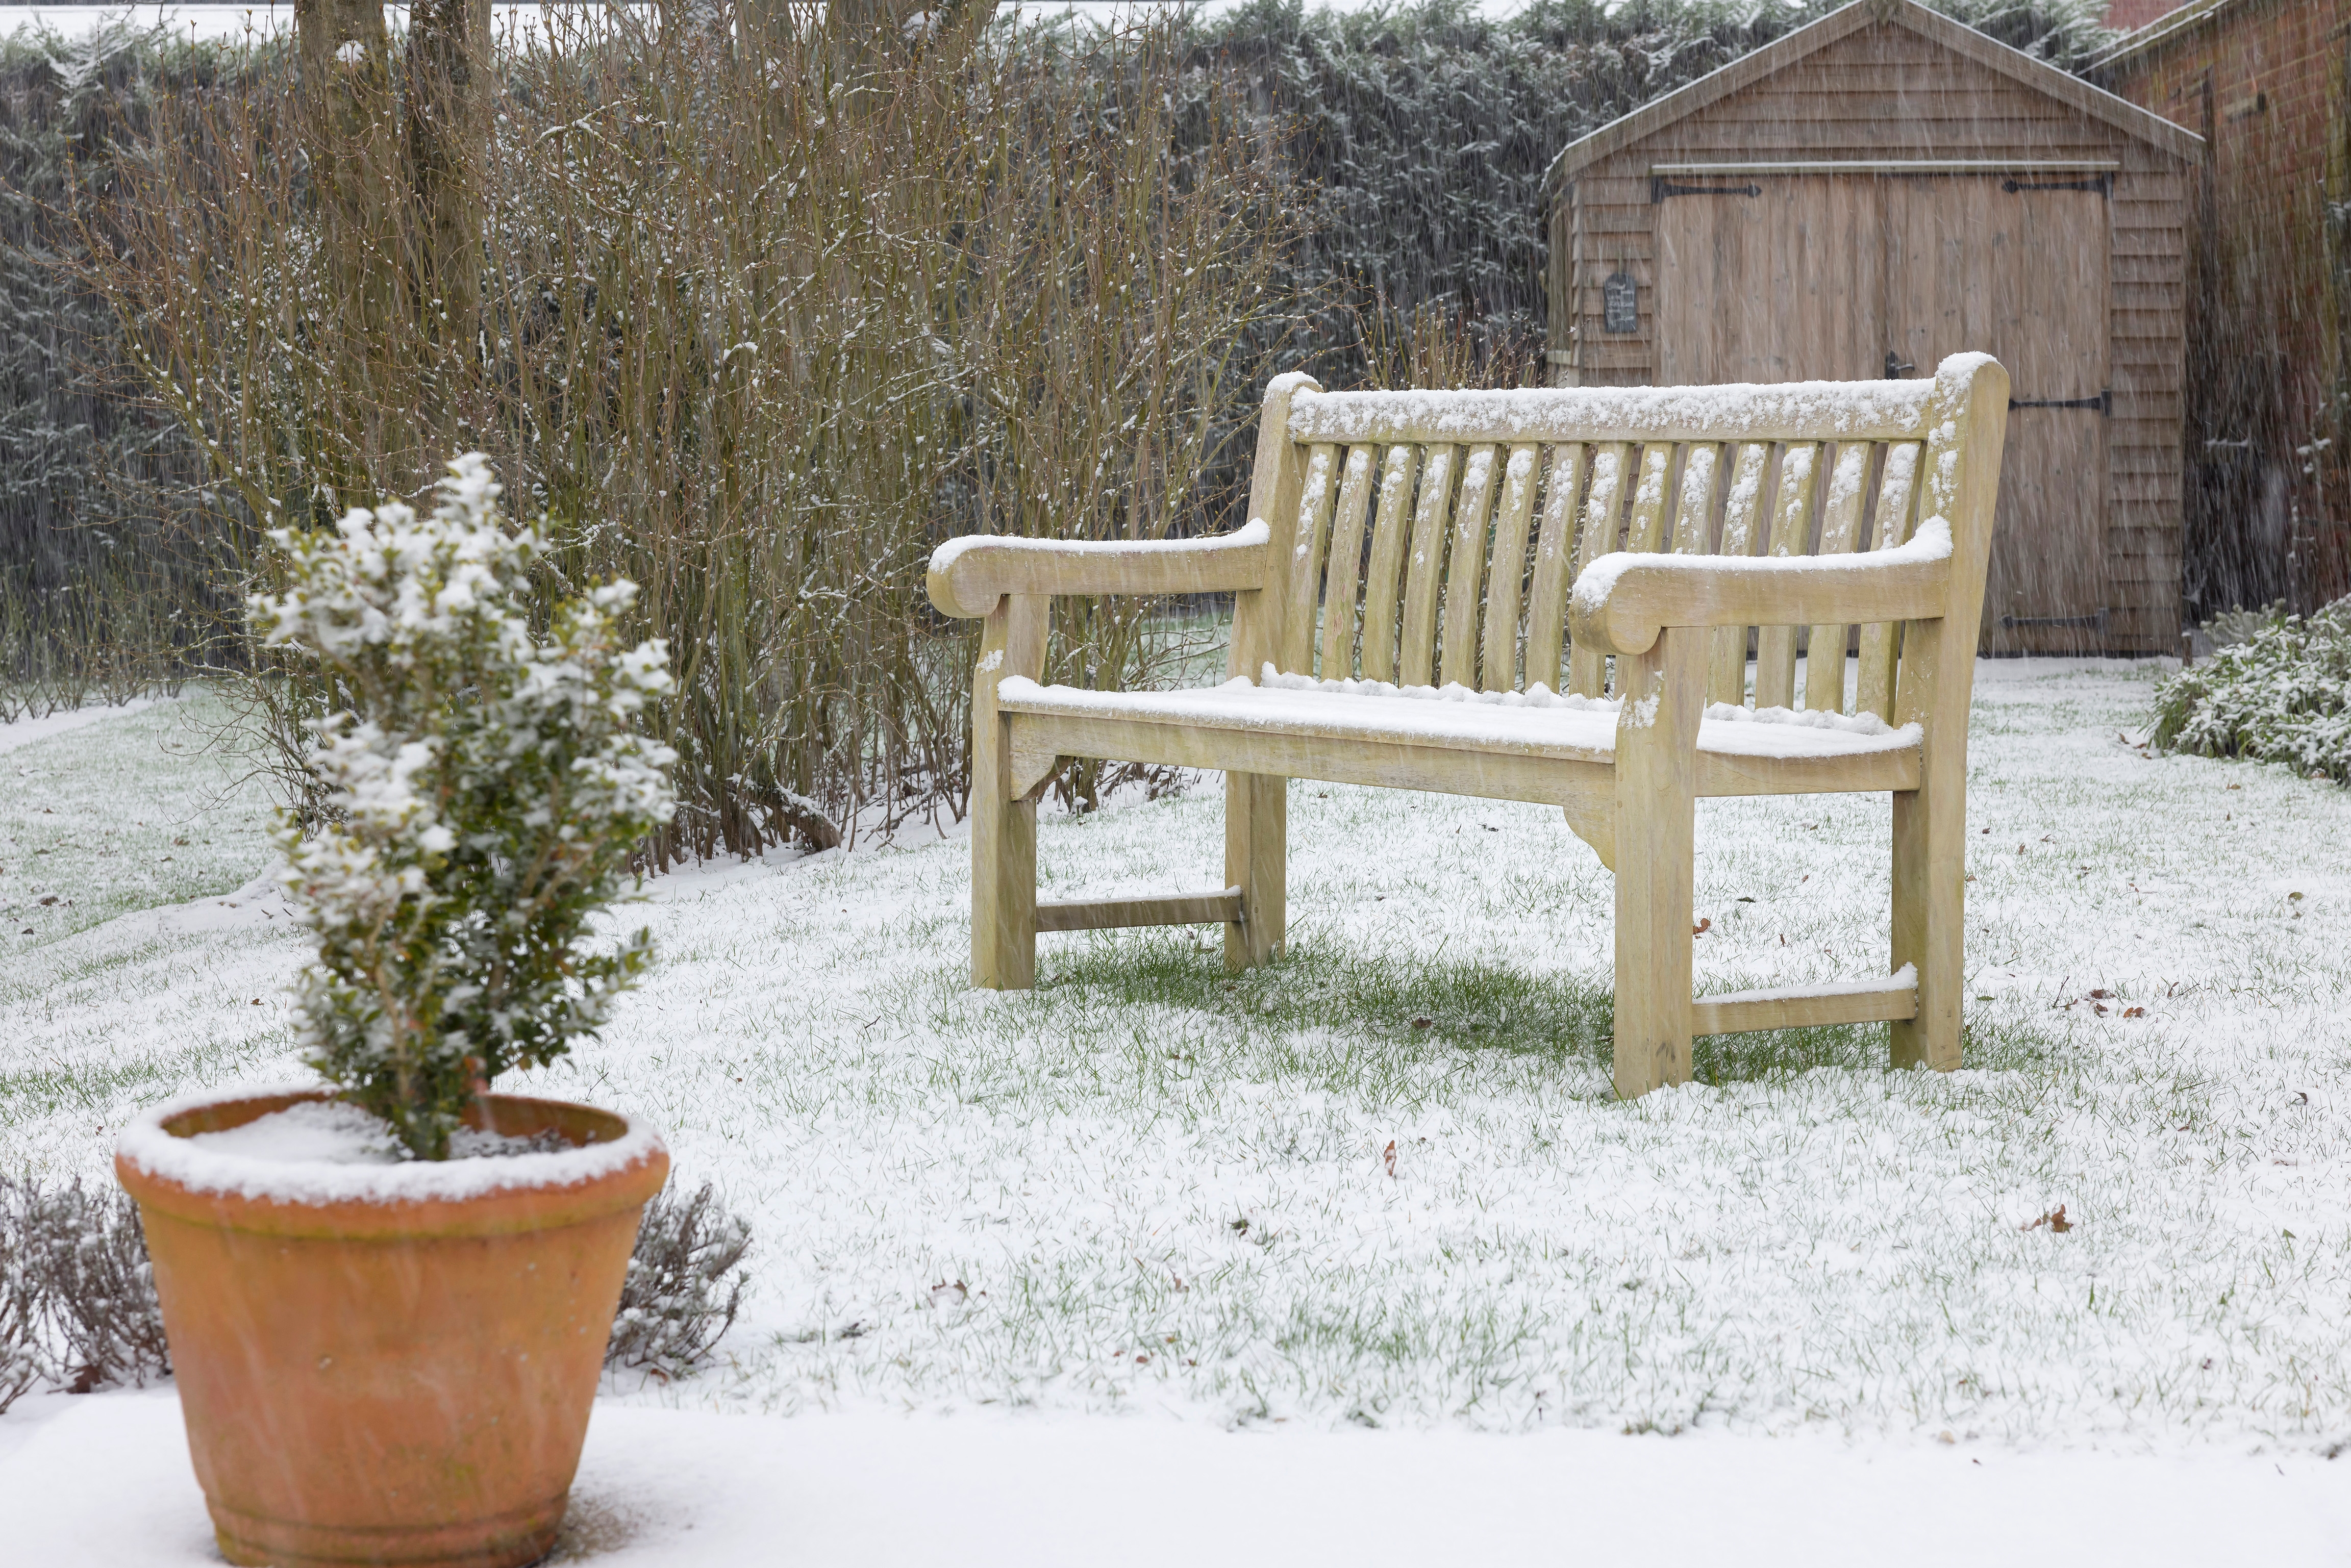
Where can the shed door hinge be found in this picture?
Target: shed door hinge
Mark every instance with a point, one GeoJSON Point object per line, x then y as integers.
{"type": "Point", "coordinates": [2103, 402]}
{"type": "Point", "coordinates": [2094, 623]}
{"type": "Point", "coordinates": [2103, 185]}
{"type": "Point", "coordinates": [1660, 188]}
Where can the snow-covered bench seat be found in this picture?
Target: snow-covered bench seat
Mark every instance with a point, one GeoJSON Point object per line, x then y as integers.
{"type": "Point", "coordinates": [1740, 751]}
{"type": "Point", "coordinates": [1403, 617]}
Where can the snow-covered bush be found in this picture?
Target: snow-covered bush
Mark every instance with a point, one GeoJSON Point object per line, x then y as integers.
{"type": "Point", "coordinates": [78, 1301]}
{"type": "Point", "coordinates": [95, 1285]}
{"type": "Point", "coordinates": [20, 1311]}
{"type": "Point", "coordinates": [2237, 625]}
{"type": "Point", "coordinates": [677, 1299]}
{"type": "Point", "coordinates": [2282, 695]}
{"type": "Point", "coordinates": [486, 790]}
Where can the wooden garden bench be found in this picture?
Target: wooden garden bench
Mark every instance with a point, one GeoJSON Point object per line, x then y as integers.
{"type": "Point", "coordinates": [1403, 542]}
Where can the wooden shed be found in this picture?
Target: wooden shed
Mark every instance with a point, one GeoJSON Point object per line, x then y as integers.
{"type": "Point", "coordinates": [1880, 189]}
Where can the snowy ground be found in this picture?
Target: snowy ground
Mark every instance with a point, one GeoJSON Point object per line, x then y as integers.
{"type": "Point", "coordinates": [105, 811]}
{"type": "Point", "coordinates": [108, 1486]}
{"type": "Point", "coordinates": [1145, 1188]}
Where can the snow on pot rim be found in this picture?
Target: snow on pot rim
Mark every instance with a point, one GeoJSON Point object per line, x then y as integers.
{"type": "Point", "coordinates": [614, 1160]}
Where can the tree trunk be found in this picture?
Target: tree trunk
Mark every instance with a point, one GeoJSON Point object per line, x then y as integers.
{"type": "Point", "coordinates": [450, 80]}
{"type": "Point", "coordinates": [344, 54]}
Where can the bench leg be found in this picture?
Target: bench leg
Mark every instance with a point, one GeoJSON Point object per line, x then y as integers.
{"type": "Point", "coordinates": [1656, 842]}
{"type": "Point", "coordinates": [1003, 829]}
{"type": "Point", "coordinates": [1003, 893]}
{"type": "Point", "coordinates": [1256, 835]}
{"type": "Point", "coordinates": [1931, 919]}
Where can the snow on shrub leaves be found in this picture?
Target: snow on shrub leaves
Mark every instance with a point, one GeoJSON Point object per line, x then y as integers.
{"type": "Point", "coordinates": [485, 790]}
{"type": "Point", "coordinates": [2284, 694]}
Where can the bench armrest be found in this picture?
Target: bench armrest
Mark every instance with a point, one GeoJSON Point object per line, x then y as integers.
{"type": "Point", "coordinates": [1622, 601]}
{"type": "Point", "coordinates": [969, 574]}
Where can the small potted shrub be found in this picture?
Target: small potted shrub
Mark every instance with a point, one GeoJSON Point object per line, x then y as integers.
{"type": "Point", "coordinates": [387, 1299]}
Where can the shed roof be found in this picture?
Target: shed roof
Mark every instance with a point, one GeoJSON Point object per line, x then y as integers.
{"type": "Point", "coordinates": [1962, 40]}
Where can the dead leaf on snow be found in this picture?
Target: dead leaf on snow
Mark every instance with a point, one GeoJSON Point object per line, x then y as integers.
{"type": "Point", "coordinates": [2055, 1219]}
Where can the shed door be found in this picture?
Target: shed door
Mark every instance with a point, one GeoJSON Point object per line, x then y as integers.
{"type": "Point", "coordinates": [2018, 268]}
{"type": "Point", "coordinates": [1774, 278]}
{"type": "Point", "coordinates": [1769, 279]}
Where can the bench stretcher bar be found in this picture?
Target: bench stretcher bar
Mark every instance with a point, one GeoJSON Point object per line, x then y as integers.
{"type": "Point", "coordinates": [1797, 1007]}
{"type": "Point", "coordinates": [1167, 909]}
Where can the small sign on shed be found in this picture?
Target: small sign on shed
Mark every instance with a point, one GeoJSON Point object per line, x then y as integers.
{"type": "Point", "coordinates": [1880, 189]}
{"type": "Point", "coordinates": [1620, 303]}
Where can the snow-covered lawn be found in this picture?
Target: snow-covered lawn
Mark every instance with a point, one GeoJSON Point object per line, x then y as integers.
{"type": "Point", "coordinates": [1146, 1188]}
{"type": "Point", "coordinates": [107, 810]}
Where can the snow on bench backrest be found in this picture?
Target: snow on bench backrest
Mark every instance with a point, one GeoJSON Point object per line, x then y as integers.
{"type": "Point", "coordinates": [1440, 532]}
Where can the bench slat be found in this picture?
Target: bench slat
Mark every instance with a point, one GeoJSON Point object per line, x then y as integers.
{"type": "Point", "coordinates": [1724, 773]}
{"type": "Point", "coordinates": [1587, 668]}
{"type": "Point", "coordinates": [1554, 557]}
{"type": "Point", "coordinates": [1163, 909]}
{"type": "Point", "coordinates": [1381, 580]}
{"type": "Point", "coordinates": [1295, 654]}
{"type": "Point", "coordinates": [1556, 779]}
{"type": "Point", "coordinates": [1499, 669]}
{"type": "Point", "coordinates": [1792, 520]}
{"type": "Point", "coordinates": [1694, 498]}
{"type": "Point", "coordinates": [1415, 658]}
{"type": "Point", "coordinates": [1897, 488]}
{"type": "Point", "coordinates": [1341, 759]}
{"type": "Point", "coordinates": [1840, 534]}
{"type": "Point", "coordinates": [1465, 572]}
{"type": "Point", "coordinates": [1741, 508]}
{"type": "Point", "coordinates": [1346, 560]}
{"type": "Point", "coordinates": [1644, 531]}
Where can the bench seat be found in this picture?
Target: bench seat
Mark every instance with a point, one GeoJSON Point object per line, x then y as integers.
{"type": "Point", "coordinates": [1772, 752]}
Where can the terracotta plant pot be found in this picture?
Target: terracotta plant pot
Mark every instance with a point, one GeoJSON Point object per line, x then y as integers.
{"type": "Point", "coordinates": [389, 1363]}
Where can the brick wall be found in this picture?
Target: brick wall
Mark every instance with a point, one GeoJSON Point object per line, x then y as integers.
{"type": "Point", "coordinates": [2263, 81]}
{"type": "Point", "coordinates": [2127, 16]}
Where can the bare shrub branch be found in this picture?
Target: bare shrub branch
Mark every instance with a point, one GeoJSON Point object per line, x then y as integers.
{"type": "Point", "coordinates": [77, 1303]}
{"type": "Point", "coordinates": [762, 318]}
{"type": "Point", "coordinates": [21, 1361]}
{"type": "Point", "coordinates": [672, 1307]}
{"type": "Point", "coordinates": [85, 1259]}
